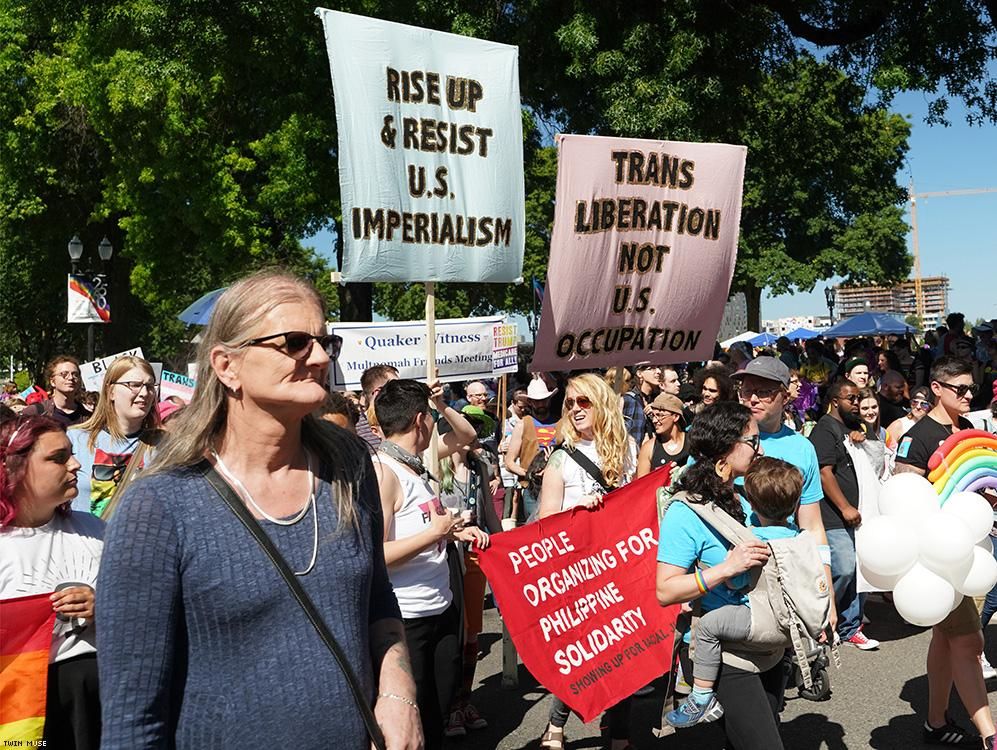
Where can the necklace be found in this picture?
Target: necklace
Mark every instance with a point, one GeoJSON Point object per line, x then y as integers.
{"type": "Point", "coordinates": [280, 521]}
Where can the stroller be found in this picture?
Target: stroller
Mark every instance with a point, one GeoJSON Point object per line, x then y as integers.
{"type": "Point", "coordinates": [819, 657]}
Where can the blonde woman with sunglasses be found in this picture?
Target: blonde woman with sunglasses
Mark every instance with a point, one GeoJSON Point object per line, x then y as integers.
{"type": "Point", "coordinates": [105, 443]}
{"type": "Point", "coordinates": [592, 426]}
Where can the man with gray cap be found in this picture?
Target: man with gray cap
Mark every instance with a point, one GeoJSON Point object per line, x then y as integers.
{"type": "Point", "coordinates": [764, 386]}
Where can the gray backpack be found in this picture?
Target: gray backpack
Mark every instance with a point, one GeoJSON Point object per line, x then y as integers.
{"type": "Point", "coordinates": [789, 596]}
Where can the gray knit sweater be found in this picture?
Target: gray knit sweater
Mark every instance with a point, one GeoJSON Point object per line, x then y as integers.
{"type": "Point", "coordinates": [200, 643]}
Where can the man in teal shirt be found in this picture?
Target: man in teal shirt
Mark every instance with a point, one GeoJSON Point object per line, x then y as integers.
{"type": "Point", "coordinates": [764, 387]}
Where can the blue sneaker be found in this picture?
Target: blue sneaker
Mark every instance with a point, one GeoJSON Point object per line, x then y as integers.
{"type": "Point", "coordinates": [690, 713]}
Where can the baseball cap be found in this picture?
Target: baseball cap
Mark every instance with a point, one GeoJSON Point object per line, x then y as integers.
{"type": "Point", "coordinates": [768, 368]}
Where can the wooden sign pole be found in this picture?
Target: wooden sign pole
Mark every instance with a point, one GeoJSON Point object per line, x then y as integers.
{"type": "Point", "coordinates": [434, 456]}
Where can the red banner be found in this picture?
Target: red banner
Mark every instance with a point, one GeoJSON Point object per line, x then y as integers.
{"type": "Point", "coordinates": [577, 592]}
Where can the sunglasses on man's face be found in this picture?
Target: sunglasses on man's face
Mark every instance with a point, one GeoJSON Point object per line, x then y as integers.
{"type": "Point", "coordinates": [960, 390]}
{"type": "Point", "coordinates": [582, 401]}
{"type": "Point", "coordinates": [298, 344]}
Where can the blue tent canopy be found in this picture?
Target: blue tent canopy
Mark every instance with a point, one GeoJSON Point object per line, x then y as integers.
{"type": "Point", "coordinates": [762, 339]}
{"type": "Point", "coordinates": [199, 312]}
{"type": "Point", "coordinates": [868, 324]}
{"type": "Point", "coordinates": [798, 334]}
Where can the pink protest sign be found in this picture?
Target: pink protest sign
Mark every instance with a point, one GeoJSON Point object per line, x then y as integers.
{"type": "Point", "coordinates": [643, 250]}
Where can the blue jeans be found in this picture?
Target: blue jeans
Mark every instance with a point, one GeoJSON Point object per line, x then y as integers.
{"type": "Point", "coordinates": [990, 604]}
{"type": "Point", "coordinates": [849, 603]}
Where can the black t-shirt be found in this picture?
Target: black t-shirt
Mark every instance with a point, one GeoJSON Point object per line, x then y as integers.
{"type": "Point", "coordinates": [828, 438]}
{"type": "Point", "coordinates": [66, 419]}
{"type": "Point", "coordinates": [890, 411]}
{"type": "Point", "coordinates": [923, 439]}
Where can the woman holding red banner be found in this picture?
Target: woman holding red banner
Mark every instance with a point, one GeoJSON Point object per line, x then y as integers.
{"type": "Point", "coordinates": [723, 442]}
{"type": "Point", "coordinates": [46, 547]}
{"type": "Point", "coordinates": [595, 456]}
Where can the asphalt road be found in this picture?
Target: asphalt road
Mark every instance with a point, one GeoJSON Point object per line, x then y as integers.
{"type": "Point", "coordinates": [879, 699]}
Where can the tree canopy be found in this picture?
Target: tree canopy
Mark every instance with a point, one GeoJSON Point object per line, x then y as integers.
{"type": "Point", "coordinates": [200, 136]}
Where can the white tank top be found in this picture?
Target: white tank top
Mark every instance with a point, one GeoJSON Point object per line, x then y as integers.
{"type": "Point", "coordinates": [422, 584]}
{"type": "Point", "coordinates": [578, 482]}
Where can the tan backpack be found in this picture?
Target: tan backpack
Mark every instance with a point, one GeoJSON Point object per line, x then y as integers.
{"type": "Point", "coordinates": [789, 596]}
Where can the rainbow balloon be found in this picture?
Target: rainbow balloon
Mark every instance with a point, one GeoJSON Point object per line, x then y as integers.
{"type": "Point", "coordinates": [965, 462]}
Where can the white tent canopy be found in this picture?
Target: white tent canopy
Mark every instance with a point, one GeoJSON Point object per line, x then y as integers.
{"type": "Point", "coordinates": [740, 337]}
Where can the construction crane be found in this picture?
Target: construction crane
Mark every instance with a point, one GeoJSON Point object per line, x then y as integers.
{"type": "Point", "coordinates": [912, 197]}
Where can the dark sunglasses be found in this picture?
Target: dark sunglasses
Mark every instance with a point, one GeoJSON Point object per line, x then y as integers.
{"type": "Point", "coordinates": [922, 405]}
{"type": "Point", "coordinates": [754, 441]}
{"type": "Point", "coordinates": [582, 401]}
{"type": "Point", "coordinates": [960, 390]}
{"type": "Point", "coordinates": [854, 398]}
{"type": "Point", "coordinates": [298, 344]}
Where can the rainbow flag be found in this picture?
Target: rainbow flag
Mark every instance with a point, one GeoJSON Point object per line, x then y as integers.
{"type": "Point", "coordinates": [25, 637]}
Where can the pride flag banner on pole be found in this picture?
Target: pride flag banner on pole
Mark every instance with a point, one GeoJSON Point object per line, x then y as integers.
{"type": "Point", "coordinates": [87, 295]}
{"type": "Point", "coordinates": [25, 638]}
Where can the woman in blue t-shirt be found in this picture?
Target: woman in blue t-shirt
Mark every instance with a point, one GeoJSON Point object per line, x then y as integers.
{"type": "Point", "coordinates": [723, 441]}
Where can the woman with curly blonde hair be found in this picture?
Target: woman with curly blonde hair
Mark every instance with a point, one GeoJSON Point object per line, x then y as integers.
{"type": "Point", "coordinates": [595, 455]}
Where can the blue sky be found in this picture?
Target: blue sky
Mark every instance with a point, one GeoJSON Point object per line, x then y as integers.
{"type": "Point", "coordinates": [957, 234]}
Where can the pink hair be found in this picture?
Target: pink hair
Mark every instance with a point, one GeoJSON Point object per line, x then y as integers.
{"type": "Point", "coordinates": [17, 440]}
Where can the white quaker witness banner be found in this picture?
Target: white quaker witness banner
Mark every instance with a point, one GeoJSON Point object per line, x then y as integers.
{"type": "Point", "coordinates": [465, 349]}
{"type": "Point", "coordinates": [430, 152]}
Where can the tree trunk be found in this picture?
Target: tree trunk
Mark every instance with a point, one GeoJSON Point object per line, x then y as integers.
{"type": "Point", "coordinates": [753, 296]}
{"type": "Point", "coordinates": [356, 301]}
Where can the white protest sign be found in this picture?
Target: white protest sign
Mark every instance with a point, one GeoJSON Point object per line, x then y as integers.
{"type": "Point", "coordinates": [93, 372]}
{"type": "Point", "coordinates": [175, 384]}
{"type": "Point", "coordinates": [465, 349]}
{"type": "Point", "coordinates": [430, 152]}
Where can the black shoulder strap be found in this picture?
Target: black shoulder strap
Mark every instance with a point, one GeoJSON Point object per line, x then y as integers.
{"type": "Point", "coordinates": [253, 527]}
{"type": "Point", "coordinates": [590, 468]}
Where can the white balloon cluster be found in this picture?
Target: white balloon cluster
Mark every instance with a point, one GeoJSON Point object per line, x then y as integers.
{"type": "Point", "coordinates": [930, 557]}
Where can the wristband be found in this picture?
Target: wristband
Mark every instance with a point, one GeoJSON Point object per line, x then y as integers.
{"type": "Point", "coordinates": [700, 581]}
{"type": "Point", "coordinates": [824, 550]}
{"type": "Point", "coordinates": [400, 698]}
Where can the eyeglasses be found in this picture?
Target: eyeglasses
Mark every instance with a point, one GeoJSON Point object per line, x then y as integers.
{"type": "Point", "coordinates": [136, 386]}
{"type": "Point", "coordinates": [922, 405]}
{"type": "Point", "coordinates": [755, 441]}
{"type": "Point", "coordinates": [763, 394]}
{"type": "Point", "coordinates": [960, 390]}
{"type": "Point", "coordinates": [854, 398]}
{"type": "Point", "coordinates": [662, 413]}
{"type": "Point", "coordinates": [68, 375]}
{"type": "Point", "coordinates": [298, 344]}
{"type": "Point", "coordinates": [583, 402]}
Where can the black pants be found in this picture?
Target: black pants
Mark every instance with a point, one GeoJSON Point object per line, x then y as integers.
{"type": "Point", "coordinates": [435, 650]}
{"type": "Point", "coordinates": [72, 710]}
{"type": "Point", "coordinates": [751, 704]}
{"type": "Point", "coordinates": [616, 720]}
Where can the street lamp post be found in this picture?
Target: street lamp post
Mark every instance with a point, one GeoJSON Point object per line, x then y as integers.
{"type": "Point", "coordinates": [830, 293]}
{"type": "Point", "coordinates": [104, 250]}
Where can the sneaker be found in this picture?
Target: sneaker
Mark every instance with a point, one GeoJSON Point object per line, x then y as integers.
{"type": "Point", "coordinates": [949, 734]}
{"type": "Point", "coordinates": [988, 671]}
{"type": "Point", "coordinates": [690, 713]}
{"type": "Point", "coordinates": [455, 725]}
{"type": "Point", "coordinates": [861, 642]}
{"type": "Point", "coordinates": [472, 719]}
